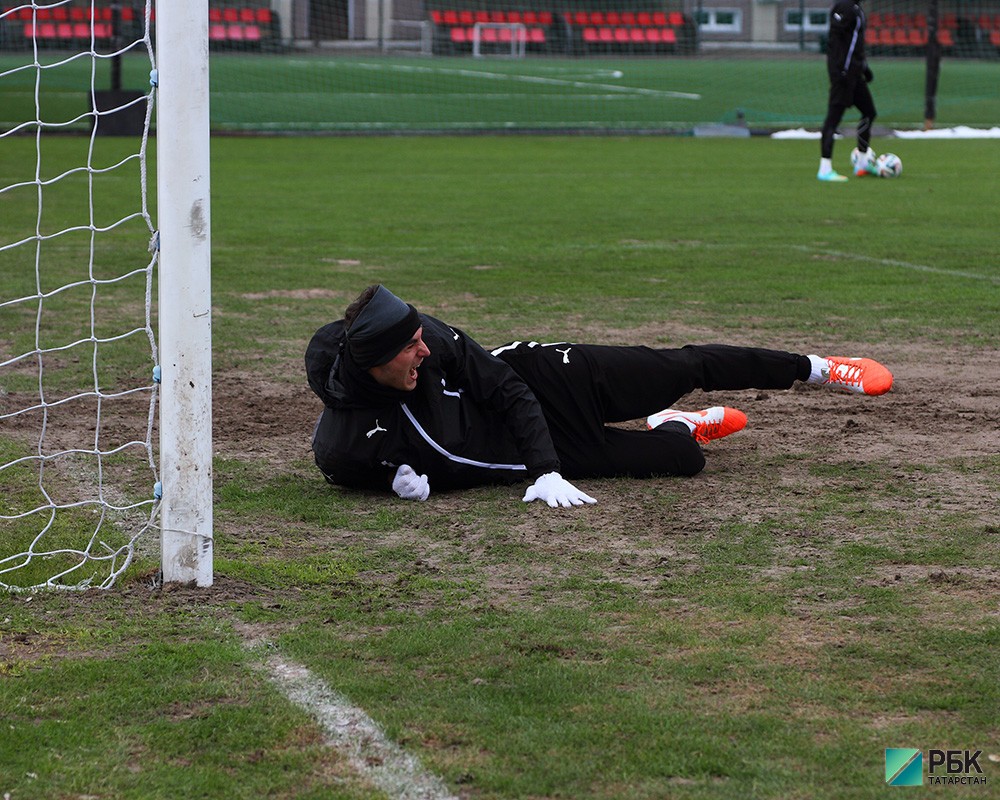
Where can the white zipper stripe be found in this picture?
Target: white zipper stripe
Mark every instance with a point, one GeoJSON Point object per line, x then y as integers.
{"type": "Point", "coordinates": [450, 456]}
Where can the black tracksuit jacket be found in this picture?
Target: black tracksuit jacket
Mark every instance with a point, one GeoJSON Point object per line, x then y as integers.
{"type": "Point", "coordinates": [470, 420]}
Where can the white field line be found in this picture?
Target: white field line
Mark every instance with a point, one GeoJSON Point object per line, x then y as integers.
{"type": "Point", "coordinates": [501, 76]}
{"type": "Point", "coordinates": [351, 731]}
{"type": "Point", "coordinates": [891, 262]}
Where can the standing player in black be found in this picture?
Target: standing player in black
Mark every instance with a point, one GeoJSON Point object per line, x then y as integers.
{"type": "Point", "coordinates": [849, 79]}
{"type": "Point", "coordinates": [411, 402]}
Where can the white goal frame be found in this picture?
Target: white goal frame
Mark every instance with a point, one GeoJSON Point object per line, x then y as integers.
{"type": "Point", "coordinates": [185, 302]}
{"type": "Point", "coordinates": [518, 37]}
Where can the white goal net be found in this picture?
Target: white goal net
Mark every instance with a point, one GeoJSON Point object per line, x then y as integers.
{"type": "Point", "coordinates": [79, 360]}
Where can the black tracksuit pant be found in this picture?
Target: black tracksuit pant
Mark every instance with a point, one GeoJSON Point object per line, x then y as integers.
{"type": "Point", "coordinates": [581, 388]}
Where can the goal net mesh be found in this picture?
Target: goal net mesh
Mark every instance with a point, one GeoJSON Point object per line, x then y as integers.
{"type": "Point", "coordinates": [78, 395]}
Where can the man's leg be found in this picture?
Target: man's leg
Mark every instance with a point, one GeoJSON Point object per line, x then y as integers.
{"type": "Point", "coordinates": [634, 382]}
{"type": "Point", "coordinates": [834, 114]}
{"type": "Point", "coordinates": [866, 105]}
{"type": "Point", "coordinates": [668, 450]}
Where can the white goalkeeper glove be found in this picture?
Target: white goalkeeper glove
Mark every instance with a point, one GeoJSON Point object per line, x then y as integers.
{"type": "Point", "coordinates": [555, 490]}
{"type": "Point", "coordinates": [410, 486]}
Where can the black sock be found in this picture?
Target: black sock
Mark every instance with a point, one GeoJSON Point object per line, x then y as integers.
{"type": "Point", "coordinates": [805, 368]}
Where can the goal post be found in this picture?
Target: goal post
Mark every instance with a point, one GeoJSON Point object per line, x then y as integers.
{"type": "Point", "coordinates": [185, 306]}
{"type": "Point", "coordinates": [504, 38]}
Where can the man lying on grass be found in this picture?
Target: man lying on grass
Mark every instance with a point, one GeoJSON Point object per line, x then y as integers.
{"type": "Point", "coordinates": [411, 402]}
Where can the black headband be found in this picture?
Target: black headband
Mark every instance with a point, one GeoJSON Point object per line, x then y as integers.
{"type": "Point", "coordinates": [383, 328]}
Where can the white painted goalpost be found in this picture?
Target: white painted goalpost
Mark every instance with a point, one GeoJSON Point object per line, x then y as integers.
{"type": "Point", "coordinates": [183, 200]}
{"type": "Point", "coordinates": [75, 506]}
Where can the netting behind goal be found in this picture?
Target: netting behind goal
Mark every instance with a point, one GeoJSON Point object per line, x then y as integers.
{"type": "Point", "coordinates": [77, 348]}
{"type": "Point", "coordinates": [368, 66]}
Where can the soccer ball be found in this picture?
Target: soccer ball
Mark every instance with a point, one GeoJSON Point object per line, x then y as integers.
{"type": "Point", "coordinates": [863, 163]}
{"type": "Point", "coordinates": [889, 165]}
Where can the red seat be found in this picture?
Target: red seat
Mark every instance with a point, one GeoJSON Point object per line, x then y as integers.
{"type": "Point", "coordinates": [230, 15]}
{"type": "Point", "coordinates": [234, 33]}
{"type": "Point", "coordinates": [605, 34]}
{"type": "Point", "coordinates": [901, 37]}
{"type": "Point", "coordinates": [216, 32]}
{"type": "Point", "coordinates": [917, 37]}
{"type": "Point", "coordinates": [676, 19]}
{"type": "Point", "coordinates": [945, 39]}
{"type": "Point", "coordinates": [590, 35]}
{"type": "Point", "coordinates": [644, 18]}
{"type": "Point", "coordinates": [215, 15]}
{"type": "Point", "coordinates": [636, 34]}
{"type": "Point", "coordinates": [536, 35]}
{"type": "Point", "coordinates": [246, 15]}
{"type": "Point", "coordinates": [263, 16]}
{"type": "Point", "coordinates": [885, 36]}
{"type": "Point", "coordinates": [871, 36]}
{"type": "Point", "coordinates": [669, 36]}
{"type": "Point", "coordinates": [995, 37]}
{"type": "Point", "coordinates": [653, 36]}
{"type": "Point", "coordinates": [457, 35]}
{"type": "Point", "coordinates": [659, 18]}
{"type": "Point", "coordinates": [621, 34]}
{"type": "Point", "coordinates": [64, 30]}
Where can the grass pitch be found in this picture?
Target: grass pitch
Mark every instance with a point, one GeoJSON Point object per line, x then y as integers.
{"type": "Point", "coordinates": [826, 589]}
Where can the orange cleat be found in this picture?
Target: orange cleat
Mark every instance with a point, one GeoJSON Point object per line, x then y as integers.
{"type": "Point", "coordinates": [708, 424]}
{"type": "Point", "coordinates": [861, 375]}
